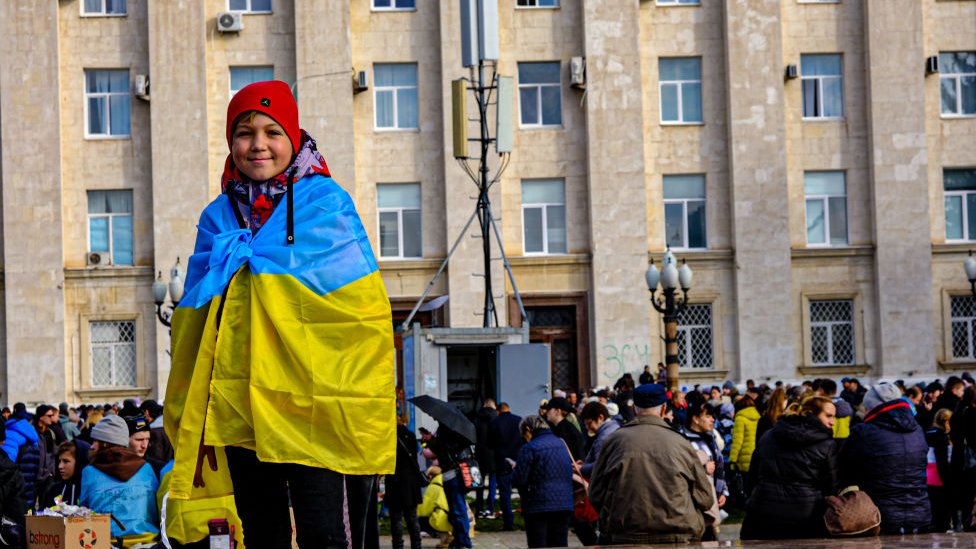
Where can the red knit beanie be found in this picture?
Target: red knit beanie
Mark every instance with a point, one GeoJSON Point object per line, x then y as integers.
{"type": "Point", "coordinates": [273, 98]}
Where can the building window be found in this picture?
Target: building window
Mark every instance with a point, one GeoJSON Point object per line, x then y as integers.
{"type": "Point", "coordinates": [107, 102]}
{"type": "Point", "coordinates": [963, 317]}
{"type": "Point", "coordinates": [398, 208]}
{"type": "Point", "coordinates": [103, 7]}
{"type": "Point", "coordinates": [826, 194]}
{"type": "Point", "coordinates": [823, 86]}
{"type": "Point", "coordinates": [110, 225]}
{"type": "Point", "coordinates": [684, 211]}
{"type": "Point", "coordinates": [537, 3]}
{"type": "Point", "coordinates": [113, 353]}
{"type": "Point", "coordinates": [242, 76]}
{"type": "Point", "coordinates": [392, 5]}
{"type": "Point", "coordinates": [396, 96]}
{"type": "Point", "coordinates": [250, 6]}
{"type": "Point", "coordinates": [681, 90]}
{"type": "Point", "coordinates": [695, 337]}
{"type": "Point", "coordinates": [543, 216]}
{"type": "Point", "coordinates": [957, 77]}
{"type": "Point", "coordinates": [678, 2]}
{"type": "Point", "coordinates": [960, 204]}
{"type": "Point", "coordinates": [832, 332]}
{"type": "Point", "coordinates": [540, 101]}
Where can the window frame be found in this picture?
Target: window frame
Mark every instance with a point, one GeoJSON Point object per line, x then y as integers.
{"type": "Point", "coordinates": [825, 200]}
{"type": "Point", "coordinates": [964, 210]}
{"type": "Point", "coordinates": [111, 239]}
{"type": "Point", "coordinates": [536, 6]}
{"type": "Point", "coordinates": [399, 210]}
{"type": "Point", "coordinates": [392, 7]}
{"type": "Point", "coordinates": [957, 77]}
{"type": "Point", "coordinates": [820, 94]}
{"type": "Point", "coordinates": [102, 13]}
{"type": "Point", "coordinates": [396, 103]}
{"type": "Point", "coordinates": [684, 211]}
{"type": "Point", "coordinates": [90, 379]}
{"type": "Point", "coordinates": [251, 11]}
{"type": "Point", "coordinates": [538, 95]}
{"type": "Point", "coordinates": [230, 76]}
{"type": "Point", "coordinates": [106, 96]}
{"type": "Point", "coordinates": [544, 207]}
{"type": "Point", "coordinates": [680, 96]}
{"type": "Point", "coordinates": [809, 325]}
{"type": "Point", "coordinates": [970, 337]}
{"type": "Point", "coordinates": [677, 3]}
{"type": "Point", "coordinates": [684, 332]}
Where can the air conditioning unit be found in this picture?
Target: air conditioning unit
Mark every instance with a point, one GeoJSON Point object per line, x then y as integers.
{"type": "Point", "coordinates": [230, 21]}
{"type": "Point", "coordinates": [932, 64]}
{"type": "Point", "coordinates": [792, 72]}
{"type": "Point", "coordinates": [142, 87]}
{"type": "Point", "coordinates": [94, 259]}
{"type": "Point", "coordinates": [360, 82]}
{"type": "Point", "coordinates": [577, 72]}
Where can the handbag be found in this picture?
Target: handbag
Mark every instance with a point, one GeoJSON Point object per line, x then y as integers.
{"type": "Point", "coordinates": [422, 479]}
{"type": "Point", "coordinates": [852, 513]}
{"type": "Point", "coordinates": [469, 469]}
{"type": "Point", "coordinates": [583, 510]}
{"type": "Point", "coordinates": [11, 533]}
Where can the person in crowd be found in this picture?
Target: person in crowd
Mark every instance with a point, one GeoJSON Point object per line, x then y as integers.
{"type": "Point", "coordinates": [505, 440]}
{"type": "Point", "coordinates": [679, 400]}
{"type": "Point", "coordinates": [403, 489]}
{"type": "Point", "coordinates": [556, 411]}
{"type": "Point", "coordinates": [160, 448]}
{"type": "Point", "coordinates": [938, 474]}
{"type": "Point", "coordinates": [954, 388]}
{"type": "Point", "coordinates": [744, 438]}
{"type": "Point", "coordinates": [794, 468]}
{"type": "Point", "coordinates": [699, 430]}
{"type": "Point", "coordinates": [729, 391]}
{"type": "Point", "coordinates": [69, 428]}
{"type": "Point", "coordinates": [139, 440]}
{"type": "Point", "coordinates": [5, 414]}
{"type": "Point", "coordinates": [963, 437]}
{"type": "Point", "coordinates": [842, 420]}
{"type": "Point", "coordinates": [94, 416]}
{"type": "Point", "coordinates": [13, 494]}
{"type": "Point", "coordinates": [725, 425]}
{"type": "Point", "coordinates": [646, 376]}
{"type": "Point", "coordinates": [853, 391]}
{"type": "Point", "coordinates": [486, 461]}
{"type": "Point", "coordinates": [886, 457]}
{"type": "Point", "coordinates": [648, 484]}
{"type": "Point", "coordinates": [301, 395]}
{"type": "Point", "coordinates": [47, 444]}
{"type": "Point", "coordinates": [544, 477]}
{"type": "Point", "coordinates": [119, 482]}
{"type": "Point", "coordinates": [925, 410]}
{"type": "Point", "coordinates": [775, 407]}
{"type": "Point", "coordinates": [446, 446]}
{"type": "Point", "coordinates": [596, 418]}
{"type": "Point", "coordinates": [21, 446]}
{"type": "Point", "coordinates": [624, 397]}
{"type": "Point", "coordinates": [433, 511]}
{"type": "Point", "coordinates": [72, 460]}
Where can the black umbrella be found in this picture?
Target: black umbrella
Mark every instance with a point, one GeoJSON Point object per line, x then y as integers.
{"type": "Point", "coordinates": [447, 415]}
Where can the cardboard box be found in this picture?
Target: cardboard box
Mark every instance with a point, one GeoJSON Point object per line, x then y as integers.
{"type": "Point", "coordinates": [45, 532]}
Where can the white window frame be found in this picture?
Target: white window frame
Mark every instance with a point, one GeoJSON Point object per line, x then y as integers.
{"type": "Point", "coordinates": [830, 324]}
{"type": "Point", "coordinates": [113, 346]}
{"type": "Point", "coordinates": [971, 340]}
{"type": "Point", "coordinates": [230, 75]}
{"type": "Point", "coordinates": [957, 77]}
{"type": "Point", "coordinates": [392, 6]}
{"type": "Point", "coordinates": [684, 214]}
{"type": "Point", "coordinates": [820, 93]}
{"type": "Point", "coordinates": [538, 96]}
{"type": "Point", "coordinates": [681, 84]}
{"type": "Point", "coordinates": [536, 5]}
{"type": "Point", "coordinates": [102, 13]}
{"type": "Point", "coordinates": [684, 332]}
{"type": "Point", "coordinates": [111, 217]}
{"type": "Point", "coordinates": [670, 3]}
{"type": "Point", "coordinates": [825, 199]}
{"type": "Point", "coordinates": [248, 10]}
{"type": "Point", "coordinates": [106, 96]}
{"type": "Point", "coordinates": [396, 101]}
{"type": "Point", "coordinates": [963, 194]}
{"type": "Point", "coordinates": [544, 206]}
{"type": "Point", "coordinates": [399, 210]}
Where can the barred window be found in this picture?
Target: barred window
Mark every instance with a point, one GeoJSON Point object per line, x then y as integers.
{"type": "Point", "coordinates": [113, 353]}
{"type": "Point", "coordinates": [832, 332]}
{"type": "Point", "coordinates": [695, 337]}
{"type": "Point", "coordinates": [963, 316]}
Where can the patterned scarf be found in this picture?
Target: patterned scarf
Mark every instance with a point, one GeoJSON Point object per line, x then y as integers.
{"type": "Point", "coordinates": [256, 200]}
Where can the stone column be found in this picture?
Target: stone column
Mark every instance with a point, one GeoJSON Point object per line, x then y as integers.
{"type": "Point", "coordinates": [760, 199]}
{"type": "Point", "coordinates": [620, 312]}
{"type": "Point", "coordinates": [178, 117]}
{"type": "Point", "coordinates": [900, 186]}
{"type": "Point", "coordinates": [31, 154]}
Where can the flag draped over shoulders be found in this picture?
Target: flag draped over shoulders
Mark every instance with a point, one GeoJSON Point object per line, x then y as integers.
{"type": "Point", "coordinates": [286, 350]}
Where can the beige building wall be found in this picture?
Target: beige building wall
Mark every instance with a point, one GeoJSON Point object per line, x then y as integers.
{"type": "Point", "coordinates": [612, 151]}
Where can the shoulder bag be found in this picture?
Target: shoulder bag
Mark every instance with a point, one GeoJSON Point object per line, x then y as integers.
{"type": "Point", "coordinates": [852, 513]}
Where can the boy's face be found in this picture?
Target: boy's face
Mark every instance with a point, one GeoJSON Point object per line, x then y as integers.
{"type": "Point", "coordinates": [260, 147]}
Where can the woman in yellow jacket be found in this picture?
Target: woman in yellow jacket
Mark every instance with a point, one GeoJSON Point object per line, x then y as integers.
{"type": "Point", "coordinates": [432, 511]}
{"type": "Point", "coordinates": [744, 436]}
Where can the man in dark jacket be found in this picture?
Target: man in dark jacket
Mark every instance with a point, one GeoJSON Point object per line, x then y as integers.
{"type": "Point", "coordinates": [505, 440]}
{"type": "Point", "coordinates": [886, 456]}
{"type": "Point", "coordinates": [486, 461]}
{"type": "Point", "coordinates": [160, 447]}
{"type": "Point", "coordinates": [45, 417]}
{"type": "Point", "coordinates": [557, 408]}
{"type": "Point", "coordinates": [446, 446]}
{"type": "Point", "coordinates": [13, 499]}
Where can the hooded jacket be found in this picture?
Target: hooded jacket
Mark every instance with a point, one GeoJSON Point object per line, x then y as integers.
{"type": "Point", "coordinates": [744, 438]}
{"type": "Point", "coordinates": [21, 447]}
{"type": "Point", "coordinates": [70, 489]}
{"type": "Point", "coordinates": [794, 468]}
{"type": "Point", "coordinates": [544, 474]}
{"type": "Point", "coordinates": [886, 456]}
{"type": "Point", "coordinates": [842, 420]}
{"type": "Point", "coordinates": [120, 482]}
{"type": "Point", "coordinates": [13, 500]}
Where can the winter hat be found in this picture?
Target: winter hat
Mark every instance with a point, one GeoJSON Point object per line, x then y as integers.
{"type": "Point", "coordinates": [729, 384]}
{"type": "Point", "coordinates": [136, 424]}
{"type": "Point", "coordinates": [879, 394]}
{"type": "Point", "coordinates": [273, 98]}
{"type": "Point", "coordinates": [111, 429]}
{"type": "Point", "coordinates": [650, 395]}
{"type": "Point", "coordinates": [613, 409]}
{"type": "Point", "coordinates": [559, 403]}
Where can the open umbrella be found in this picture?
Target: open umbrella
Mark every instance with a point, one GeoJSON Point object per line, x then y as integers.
{"type": "Point", "coordinates": [447, 415]}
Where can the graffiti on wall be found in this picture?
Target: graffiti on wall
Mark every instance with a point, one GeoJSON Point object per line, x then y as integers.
{"type": "Point", "coordinates": [618, 358]}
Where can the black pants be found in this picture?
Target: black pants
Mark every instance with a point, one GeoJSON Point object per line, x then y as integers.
{"type": "Point", "coordinates": [547, 529]}
{"type": "Point", "coordinates": [262, 491]}
{"type": "Point", "coordinates": [397, 517]}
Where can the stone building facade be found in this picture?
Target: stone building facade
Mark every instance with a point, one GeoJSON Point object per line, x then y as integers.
{"type": "Point", "coordinates": [804, 157]}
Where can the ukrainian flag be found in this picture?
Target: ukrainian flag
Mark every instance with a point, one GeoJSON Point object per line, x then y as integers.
{"type": "Point", "coordinates": [286, 350]}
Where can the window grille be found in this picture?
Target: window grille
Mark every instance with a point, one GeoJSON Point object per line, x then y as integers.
{"type": "Point", "coordinates": [963, 317]}
{"type": "Point", "coordinates": [695, 349]}
{"type": "Point", "coordinates": [832, 332]}
{"type": "Point", "coordinates": [113, 353]}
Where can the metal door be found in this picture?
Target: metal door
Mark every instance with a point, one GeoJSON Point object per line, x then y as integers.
{"type": "Point", "coordinates": [523, 376]}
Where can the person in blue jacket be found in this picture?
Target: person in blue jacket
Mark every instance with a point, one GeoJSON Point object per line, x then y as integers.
{"type": "Point", "coordinates": [119, 482]}
{"type": "Point", "coordinates": [544, 477]}
{"type": "Point", "coordinates": [21, 447]}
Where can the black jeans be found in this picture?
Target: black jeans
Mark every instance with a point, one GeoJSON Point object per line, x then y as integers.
{"type": "Point", "coordinates": [397, 517]}
{"type": "Point", "coordinates": [547, 529]}
{"type": "Point", "coordinates": [262, 491]}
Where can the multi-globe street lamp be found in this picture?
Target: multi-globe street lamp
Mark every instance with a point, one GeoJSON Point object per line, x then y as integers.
{"type": "Point", "coordinates": [970, 265]}
{"type": "Point", "coordinates": [164, 312]}
{"type": "Point", "coordinates": [669, 305]}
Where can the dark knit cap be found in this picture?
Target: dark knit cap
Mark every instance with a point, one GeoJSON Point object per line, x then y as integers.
{"type": "Point", "coordinates": [650, 395]}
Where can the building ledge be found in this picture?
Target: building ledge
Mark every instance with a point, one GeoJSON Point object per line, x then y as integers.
{"type": "Point", "coordinates": [960, 248]}
{"type": "Point", "coordinates": [957, 366]}
{"type": "Point", "coordinates": [701, 375]}
{"type": "Point", "coordinates": [859, 370]}
{"type": "Point", "coordinates": [112, 393]}
{"type": "Point", "coordinates": [549, 260]}
{"type": "Point", "coordinates": [832, 251]}
{"type": "Point", "coordinates": [392, 265]}
{"type": "Point", "coordinates": [698, 257]}
{"type": "Point", "coordinates": [109, 272]}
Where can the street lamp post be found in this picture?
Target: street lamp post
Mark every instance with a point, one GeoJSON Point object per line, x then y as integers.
{"type": "Point", "coordinates": [164, 312]}
{"type": "Point", "coordinates": [970, 266]}
{"type": "Point", "coordinates": [670, 277]}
